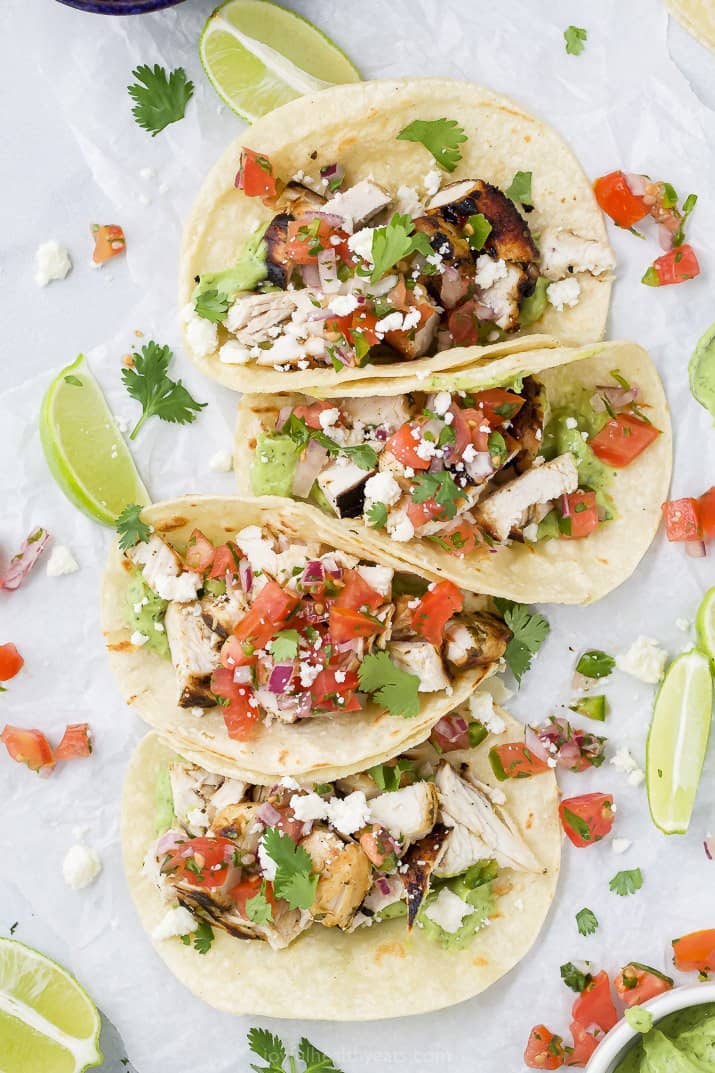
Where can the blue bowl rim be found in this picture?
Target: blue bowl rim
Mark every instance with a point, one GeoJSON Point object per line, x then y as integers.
{"type": "Point", "coordinates": [119, 7]}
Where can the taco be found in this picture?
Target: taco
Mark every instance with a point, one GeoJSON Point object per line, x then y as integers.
{"type": "Point", "coordinates": [537, 477]}
{"type": "Point", "coordinates": [327, 246]}
{"type": "Point", "coordinates": [263, 635]}
{"type": "Point", "coordinates": [401, 889]}
{"type": "Point", "coordinates": [698, 18]}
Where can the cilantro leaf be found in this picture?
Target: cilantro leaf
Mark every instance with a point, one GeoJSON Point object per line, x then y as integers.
{"type": "Point", "coordinates": [574, 36]}
{"type": "Point", "coordinates": [625, 883]}
{"type": "Point", "coordinates": [394, 242]}
{"type": "Point", "coordinates": [389, 776]}
{"type": "Point", "coordinates": [258, 908]}
{"type": "Point", "coordinates": [679, 236]}
{"type": "Point", "coordinates": [595, 664]}
{"type": "Point", "coordinates": [203, 937]}
{"type": "Point", "coordinates": [131, 529]}
{"type": "Point", "coordinates": [159, 396]}
{"type": "Point", "coordinates": [211, 305]}
{"type": "Point", "coordinates": [575, 979]}
{"type": "Point", "coordinates": [294, 880]}
{"type": "Point", "coordinates": [438, 486]}
{"type": "Point", "coordinates": [315, 1061]}
{"type": "Point", "coordinates": [520, 188]}
{"type": "Point", "coordinates": [362, 454]}
{"type": "Point", "coordinates": [377, 516]}
{"type": "Point", "coordinates": [440, 136]}
{"type": "Point", "coordinates": [529, 633]}
{"type": "Point", "coordinates": [479, 230]}
{"type": "Point", "coordinates": [396, 689]}
{"type": "Point", "coordinates": [268, 1047]}
{"type": "Point", "coordinates": [160, 99]}
{"type": "Point", "coordinates": [586, 921]}
{"type": "Point", "coordinates": [284, 646]}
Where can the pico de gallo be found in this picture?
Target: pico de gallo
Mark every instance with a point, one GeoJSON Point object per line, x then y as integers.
{"type": "Point", "coordinates": [465, 471]}
{"type": "Point", "coordinates": [31, 747]}
{"type": "Point", "coordinates": [691, 521]}
{"type": "Point", "coordinates": [264, 627]}
{"type": "Point", "coordinates": [345, 272]}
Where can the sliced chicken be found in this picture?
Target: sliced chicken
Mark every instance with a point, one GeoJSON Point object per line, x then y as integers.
{"type": "Point", "coordinates": [344, 487]}
{"type": "Point", "coordinates": [297, 199]}
{"type": "Point", "coordinates": [286, 927]}
{"type": "Point", "coordinates": [194, 652]}
{"type": "Point", "coordinates": [409, 813]}
{"type": "Point", "coordinates": [359, 203]}
{"type": "Point", "coordinates": [510, 237]}
{"type": "Point", "coordinates": [475, 640]}
{"type": "Point", "coordinates": [417, 867]}
{"type": "Point", "coordinates": [222, 613]}
{"type": "Point", "coordinates": [423, 660]}
{"type": "Point", "coordinates": [259, 318]}
{"type": "Point", "coordinates": [501, 300]}
{"type": "Point", "coordinates": [240, 823]}
{"type": "Point", "coordinates": [503, 510]}
{"type": "Point", "coordinates": [564, 253]}
{"type": "Point", "coordinates": [464, 803]}
{"type": "Point", "coordinates": [416, 342]}
{"type": "Point", "coordinates": [463, 849]}
{"type": "Point", "coordinates": [527, 426]}
{"type": "Point", "coordinates": [163, 571]}
{"type": "Point", "coordinates": [279, 265]}
{"type": "Point", "coordinates": [360, 781]}
{"type": "Point", "coordinates": [344, 878]}
{"type": "Point", "coordinates": [189, 795]}
{"type": "Point", "coordinates": [391, 412]}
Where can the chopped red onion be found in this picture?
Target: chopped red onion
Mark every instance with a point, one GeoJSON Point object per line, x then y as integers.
{"type": "Point", "coordinates": [451, 728]}
{"type": "Point", "coordinates": [565, 507]}
{"type": "Point", "coordinates": [453, 287]}
{"type": "Point", "coordinates": [311, 276]}
{"type": "Point", "coordinates": [709, 845]}
{"type": "Point", "coordinates": [536, 744]}
{"type": "Point", "coordinates": [616, 397]}
{"type": "Point", "coordinates": [283, 415]}
{"type": "Point", "coordinates": [268, 814]}
{"type": "Point", "coordinates": [381, 433]}
{"type": "Point", "coordinates": [21, 564]}
{"type": "Point", "coordinates": [696, 549]}
{"type": "Point", "coordinates": [333, 171]}
{"type": "Point", "coordinates": [321, 314]}
{"type": "Point", "coordinates": [245, 574]}
{"type": "Point", "coordinates": [279, 678]}
{"type": "Point", "coordinates": [328, 271]}
{"type": "Point", "coordinates": [330, 218]}
{"type": "Point", "coordinates": [313, 573]}
{"type": "Point", "coordinates": [331, 567]}
{"type": "Point", "coordinates": [168, 841]}
{"type": "Point", "coordinates": [307, 469]}
{"type": "Point", "coordinates": [637, 184]}
{"type": "Point", "coordinates": [383, 885]}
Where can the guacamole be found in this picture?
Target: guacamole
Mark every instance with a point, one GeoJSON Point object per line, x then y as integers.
{"type": "Point", "coordinates": [683, 1042]}
{"type": "Point", "coordinates": [146, 614]}
{"type": "Point", "coordinates": [274, 464]}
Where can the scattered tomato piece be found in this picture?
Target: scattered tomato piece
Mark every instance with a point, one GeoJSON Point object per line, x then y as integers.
{"type": "Point", "coordinates": [584, 1044]}
{"type": "Point", "coordinates": [515, 761]}
{"type": "Point", "coordinates": [11, 662]}
{"type": "Point", "coordinates": [255, 175]}
{"type": "Point", "coordinates": [675, 266]}
{"type": "Point", "coordinates": [544, 1050]}
{"type": "Point", "coordinates": [582, 518]}
{"type": "Point", "coordinates": [637, 983]}
{"type": "Point", "coordinates": [622, 439]}
{"type": "Point", "coordinates": [681, 519]}
{"type": "Point", "coordinates": [76, 742]}
{"type": "Point", "coordinates": [109, 241]}
{"type": "Point", "coordinates": [29, 747]}
{"type": "Point", "coordinates": [595, 1006]}
{"type": "Point", "coordinates": [618, 201]}
{"type": "Point", "coordinates": [239, 715]}
{"type": "Point", "coordinates": [199, 552]}
{"type": "Point", "coordinates": [346, 625]}
{"type": "Point", "coordinates": [357, 594]}
{"type": "Point", "coordinates": [249, 888]}
{"type": "Point", "coordinates": [434, 611]}
{"type": "Point", "coordinates": [587, 819]}
{"type": "Point", "coordinates": [695, 952]}
{"type": "Point", "coordinates": [706, 513]}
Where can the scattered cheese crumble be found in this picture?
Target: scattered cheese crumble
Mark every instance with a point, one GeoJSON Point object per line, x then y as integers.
{"type": "Point", "coordinates": [645, 660]}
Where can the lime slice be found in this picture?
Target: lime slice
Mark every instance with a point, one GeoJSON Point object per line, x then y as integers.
{"type": "Point", "coordinates": [84, 448]}
{"type": "Point", "coordinates": [705, 624]}
{"type": "Point", "coordinates": [47, 1021]}
{"type": "Point", "coordinates": [701, 371]}
{"type": "Point", "coordinates": [258, 56]}
{"type": "Point", "coordinates": [678, 740]}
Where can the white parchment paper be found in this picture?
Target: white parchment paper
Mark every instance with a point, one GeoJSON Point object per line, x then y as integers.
{"type": "Point", "coordinates": [71, 155]}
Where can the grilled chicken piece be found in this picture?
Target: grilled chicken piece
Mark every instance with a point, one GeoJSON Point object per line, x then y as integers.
{"type": "Point", "coordinates": [391, 412]}
{"type": "Point", "coordinates": [421, 861]}
{"type": "Point", "coordinates": [240, 823]}
{"type": "Point", "coordinates": [163, 571]}
{"type": "Point", "coordinates": [416, 342]}
{"type": "Point", "coordinates": [344, 878]}
{"type": "Point", "coordinates": [464, 803]}
{"type": "Point", "coordinates": [500, 302]}
{"type": "Point", "coordinates": [287, 923]}
{"type": "Point", "coordinates": [475, 640]}
{"type": "Point", "coordinates": [222, 613]}
{"type": "Point", "coordinates": [463, 849]}
{"type": "Point", "coordinates": [409, 813]}
{"type": "Point", "coordinates": [278, 264]}
{"type": "Point", "coordinates": [344, 488]}
{"type": "Point", "coordinates": [359, 203]}
{"type": "Point", "coordinates": [194, 652]}
{"type": "Point", "coordinates": [447, 240]}
{"type": "Point", "coordinates": [253, 318]}
{"type": "Point", "coordinates": [528, 425]}
{"type": "Point", "coordinates": [510, 238]}
{"type": "Point", "coordinates": [503, 510]}
{"type": "Point", "coordinates": [191, 788]}
{"type": "Point", "coordinates": [423, 659]}
{"type": "Point", "coordinates": [564, 252]}
{"type": "Point", "coordinates": [298, 198]}
{"type": "Point", "coordinates": [361, 782]}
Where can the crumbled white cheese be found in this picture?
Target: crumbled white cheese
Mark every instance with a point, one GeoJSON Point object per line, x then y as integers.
{"type": "Point", "coordinates": [328, 418]}
{"type": "Point", "coordinates": [233, 353]}
{"type": "Point", "coordinates": [343, 304]}
{"type": "Point", "coordinates": [408, 202]}
{"type": "Point", "coordinates": [61, 561]}
{"type": "Point", "coordinates": [481, 705]}
{"type": "Point", "coordinates": [361, 244]}
{"type": "Point", "coordinates": [289, 783]}
{"type": "Point", "coordinates": [645, 660]}
{"type": "Point", "coordinates": [201, 334]}
{"type": "Point", "coordinates": [448, 911]}
{"type": "Point", "coordinates": [571, 422]}
{"type": "Point", "coordinates": [378, 578]}
{"type": "Point", "coordinates": [222, 462]}
{"type": "Point", "coordinates": [391, 323]}
{"type": "Point", "coordinates": [497, 690]}
{"type": "Point", "coordinates": [138, 638]}
{"type": "Point", "coordinates": [349, 814]}
{"type": "Point", "coordinates": [382, 488]}
{"type": "Point", "coordinates": [621, 845]}
{"type": "Point", "coordinates": [175, 922]}
{"type": "Point", "coordinates": [564, 293]}
{"type": "Point", "coordinates": [52, 262]}
{"type": "Point", "coordinates": [147, 173]}
{"type": "Point", "coordinates": [426, 449]}
{"type": "Point", "coordinates": [257, 550]}
{"type": "Point", "coordinates": [442, 402]}
{"type": "Point", "coordinates": [531, 533]}
{"type": "Point", "coordinates": [268, 865]}
{"type": "Point", "coordinates": [684, 624]}
{"type": "Point", "coordinates": [307, 807]}
{"type": "Point", "coordinates": [432, 182]}
{"type": "Point", "coordinates": [80, 867]}
{"type": "Point", "coordinates": [623, 761]}
{"type": "Point", "coordinates": [489, 271]}
{"type": "Point", "coordinates": [404, 530]}
{"type": "Point", "coordinates": [411, 319]}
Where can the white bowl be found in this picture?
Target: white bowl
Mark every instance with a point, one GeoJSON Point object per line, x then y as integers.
{"type": "Point", "coordinates": [615, 1043]}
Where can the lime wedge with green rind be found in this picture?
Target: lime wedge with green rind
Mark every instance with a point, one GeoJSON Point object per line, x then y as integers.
{"type": "Point", "coordinates": [84, 448]}
{"type": "Point", "coordinates": [48, 1022]}
{"type": "Point", "coordinates": [705, 624]}
{"type": "Point", "coordinates": [258, 56]}
{"type": "Point", "coordinates": [678, 741]}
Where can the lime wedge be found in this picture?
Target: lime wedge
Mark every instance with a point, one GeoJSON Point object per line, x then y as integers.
{"type": "Point", "coordinates": [678, 740]}
{"type": "Point", "coordinates": [705, 624]}
{"type": "Point", "coordinates": [47, 1021]}
{"type": "Point", "coordinates": [84, 448]}
{"type": "Point", "coordinates": [258, 56]}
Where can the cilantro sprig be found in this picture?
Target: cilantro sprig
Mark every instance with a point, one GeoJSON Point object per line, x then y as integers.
{"type": "Point", "coordinates": [574, 37]}
{"type": "Point", "coordinates": [441, 137]}
{"type": "Point", "coordinates": [389, 685]}
{"type": "Point", "coordinates": [529, 630]}
{"type": "Point", "coordinates": [294, 880]}
{"type": "Point", "coordinates": [130, 528]}
{"type": "Point", "coordinates": [201, 939]}
{"type": "Point", "coordinates": [362, 454]}
{"type": "Point", "coordinates": [212, 305]}
{"type": "Point", "coordinates": [284, 646]}
{"type": "Point", "coordinates": [394, 242]}
{"type": "Point", "coordinates": [258, 908]}
{"type": "Point", "coordinates": [377, 516]}
{"type": "Point", "coordinates": [271, 1050]}
{"type": "Point", "coordinates": [575, 979]}
{"type": "Point", "coordinates": [520, 188]}
{"type": "Point", "coordinates": [389, 776]}
{"type": "Point", "coordinates": [439, 486]}
{"type": "Point", "coordinates": [160, 99]}
{"type": "Point", "coordinates": [159, 395]}
{"type": "Point", "coordinates": [625, 883]}
{"type": "Point", "coordinates": [586, 921]}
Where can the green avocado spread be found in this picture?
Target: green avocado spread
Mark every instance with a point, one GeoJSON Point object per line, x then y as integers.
{"type": "Point", "coordinates": [274, 464]}
{"type": "Point", "coordinates": [145, 612]}
{"type": "Point", "coordinates": [683, 1042]}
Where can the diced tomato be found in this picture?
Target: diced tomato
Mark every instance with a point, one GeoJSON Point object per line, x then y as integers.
{"type": "Point", "coordinates": [255, 175]}
{"type": "Point", "coordinates": [224, 561]}
{"type": "Point", "coordinates": [270, 609]}
{"type": "Point", "coordinates": [363, 323]}
{"type": "Point", "coordinates": [478, 426]}
{"type": "Point", "coordinates": [29, 747]}
{"type": "Point", "coordinates": [240, 716]}
{"type": "Point", "coordinates": [108, 242]}
{"type": "Point", "coordinates": [622, 439]}
{"type": "Point", "coordinates": [637, 983]}
{"type": "Point", "coordinates": [695, 952]}
{"type": "Point", "coordinates": [582, 517]}
{"type": "Point", "coordinates": [311, 414]}
{"type": "Point", "coordinates": [595, 1006]}
{"type": "Point", "coordinates": [201, 862]}
{"type": "Point", "coordinates": [377, 844]}
{"type": "Point", "coordinates": [306, 238]}
{"type": "Point", "coordinates": [515, 761]}
{"type": "Point", "coordinates": [327, 687]}
{"type": "Point", "coordinates": [421, 513]}
{"type": "Point", "coordinates": [357, 593]}
{"type": "Point", "coordinates": [249, 888]}
{"type": "Point", "coordinates": [682, 519]}
{"type": "Point", "coordinates": [346, 625]}
{"type": "Point", "coordinates": [587, 819]}
{"type": "Point", "coordinates": [199, 552]}
{"type": "Point", "coordinates": [435, 609]}
{"type": "Point", "coordinates": [617, 200]}
{"type": "Point", "coordinates": [463, 324]}
{"type": "Point", "coordinates": [425, 311]}
{"type": "Point", "coordinates": [10, 662]}
{"type": "Point", "coordinates": [675, 266]}
{"type": "Point", "coordinates": [497, 405]}
{"type": "Point", "coordinates": [403, 445]}
{"type": "Point", "coordinates": [461, 539]}
{"type": "Point", "coordinates": [706, 513]}
{"type": "Point", "coordinates": [76, 742]}
{"type": "Point", "coordinates": [544, 1049]}
{"type": "Point", "coordinates": [584, 1044]}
